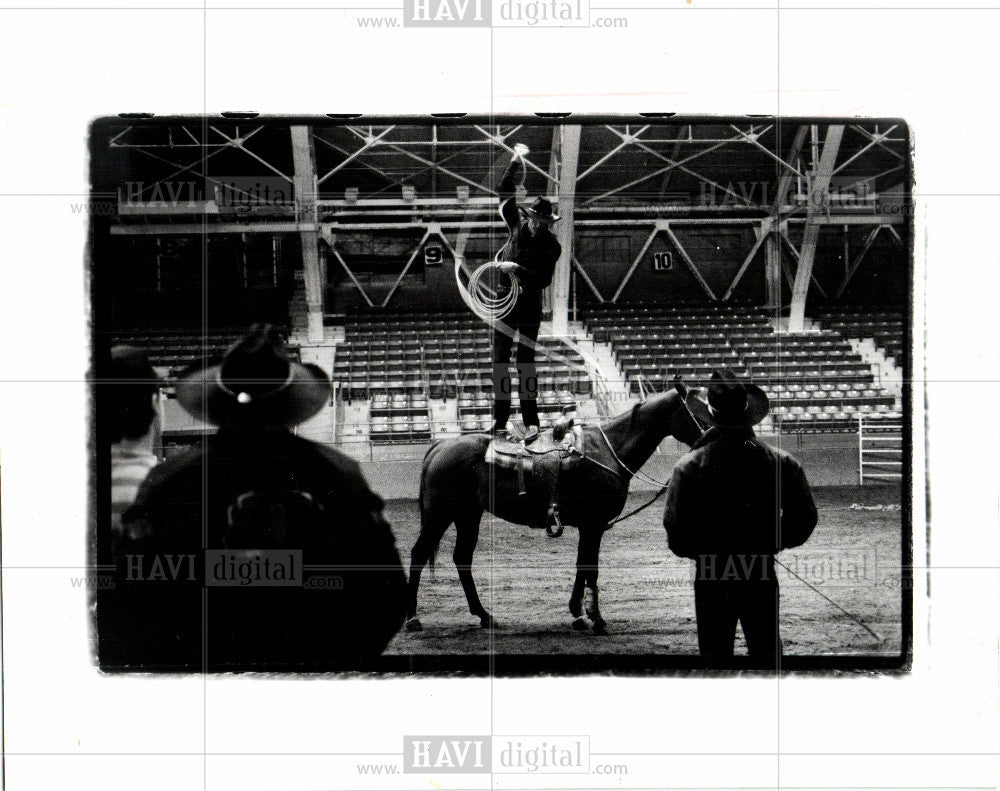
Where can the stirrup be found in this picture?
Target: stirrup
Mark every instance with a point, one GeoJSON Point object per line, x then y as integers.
{"type": "Point", "coordinates": [531, 433]}
{"type": "Point", "coordinates": [554, 517]}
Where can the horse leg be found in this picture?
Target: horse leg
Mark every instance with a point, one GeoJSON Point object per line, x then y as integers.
{"type": "Point", "coordinates": [431, 531]}
{"type": "Point", "coordinates": [591, 601]}
{"type": "Point", "coordinates": [465, 546]}
{"type": "Point", "coordinates": [580, 623]}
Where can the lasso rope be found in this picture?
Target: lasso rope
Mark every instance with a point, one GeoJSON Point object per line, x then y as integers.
{"type": "Point", "coordinates": [484, 297]}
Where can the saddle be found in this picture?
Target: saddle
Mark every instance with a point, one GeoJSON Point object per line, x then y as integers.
{"type": "Point", "coordinates": [545, 458]}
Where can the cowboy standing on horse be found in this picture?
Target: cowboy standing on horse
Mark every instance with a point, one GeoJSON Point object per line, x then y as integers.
{"type": "Point", "coordinates": [732, 504]}
{"type": "Point", "coordinates": [252, 498]}
{"type": "Point", "coordinates": [530, 256]}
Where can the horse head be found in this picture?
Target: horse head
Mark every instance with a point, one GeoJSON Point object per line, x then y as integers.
{"type": "Point", "coordinates": [668, 414]}
{"type": "Point", "coordinates": [683, 425]}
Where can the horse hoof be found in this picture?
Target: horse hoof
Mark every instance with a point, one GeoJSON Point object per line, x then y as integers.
{"type": "Point", "coordinates": [601, 629]}
{"type": "Point", "coordinates": [414, 625]}
{"type": "Point", "coordinates": [581, 624]}
{"type": "Point", "coordinates": [488, 622]}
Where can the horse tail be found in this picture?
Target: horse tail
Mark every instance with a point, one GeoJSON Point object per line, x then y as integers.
{"type": "Point", "coordinates": [434, 541]}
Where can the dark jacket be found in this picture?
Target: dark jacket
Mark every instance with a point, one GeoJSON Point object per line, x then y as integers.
{"type": "Point", "coordinates": [732, 495]}
{"type": "Point", "coordinates": [536, 255]}
{"type": "Point", "coordinates": [222, 502]}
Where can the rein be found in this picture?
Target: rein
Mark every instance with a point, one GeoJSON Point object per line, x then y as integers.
{"type": "Point", "coordinates": [642, 507]}
{"type": "Point", "coordinates": [662, 486]}
{"type": "Point", "coordinates": [635, 474]}
{"type": "Point", "coordinates": [682, 392]}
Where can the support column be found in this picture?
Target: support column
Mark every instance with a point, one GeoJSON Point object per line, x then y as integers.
{"type": "Point", "coordinates": [817, 202]}
{"type": "Point", "coordinates": [772, 269]}
{"type": "Point", "coordinates": [565, 232]}
{"type": "Point", "coordinates": [304, 159]}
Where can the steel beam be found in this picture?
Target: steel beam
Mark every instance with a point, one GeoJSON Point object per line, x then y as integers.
{"type": "Point", "coordinates": [237, 142]}
{"type": "Point", "coordinates": [773, 262]}
{"type": "Point", "coordinates": [820, 186]}
{"type": "Point", "coordinates": [287, 226]}
{"type": "Point", "coordinates": [752, 138]}
{"type": "Point", "coordinates": [304, 183]}
{"type": "Point", "coordinates": [501, 141]}
{"type": "Point", "coordinates": [675, 154]}
{"type": "Point", "coordinates": [331, 241]}
{"type": "Point", "coordinates": [797, 255]}
{"type": "Point", "coordinates": [569, 157]}
{"type": "Point", "coordinates": [785, 180]}
{"type": "Point", "coordinates": [457, 176]}
{"type": "Point", "coordinates": [196, 229]}
{"type": "Point", "coordinates": [857, 261]}
{"type": "Point", "coordinates": [680, 166]}
{"type": "Point", "coordinates": [191, 167]}
{"type": "Point", "coordinates": [691, 265]}
{"type": "Point", "coordinates": [635, 263]}
{"type": "Point", "coordinates": [762, 233]}
{"type": "Point", "coordinates": [860, 152]}
{"type": "Point", "coordinates": [879, 140]}
{"type": "Point", "coordinates": [626, 140]}
{"type": "Point", "coordinates": [406, 267]}
{"type": "Point", "coordinates": [772, 270]}
{"type": "Point", "coordinates": [670, 166]}
{"type": "Point", "coordinates": [555, 146]}
{"type": "Point", "coordinates": [586, 279]}
{"type": "Point", "coordinates": [351, 156]}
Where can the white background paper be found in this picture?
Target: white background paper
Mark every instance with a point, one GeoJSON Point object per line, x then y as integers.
{"type": "Point", "coordinates": [68, 727]}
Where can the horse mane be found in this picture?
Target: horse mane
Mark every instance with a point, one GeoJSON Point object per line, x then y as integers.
{"type": "Point", "coordinates": [632, 414]}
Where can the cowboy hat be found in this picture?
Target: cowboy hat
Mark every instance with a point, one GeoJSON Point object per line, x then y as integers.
{"type": "Point", "coordinates": [255, 383]}
{"type": "Point", "coordinates": [730, 402]}
{"type": "Point", "coordinates": [541, 210]}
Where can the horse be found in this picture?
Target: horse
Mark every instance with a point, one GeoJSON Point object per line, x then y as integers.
{"type": "Point", "coordinates": [458, 486]}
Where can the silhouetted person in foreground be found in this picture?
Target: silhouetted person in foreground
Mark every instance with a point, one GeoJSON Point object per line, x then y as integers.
{"type": "Point", "coordinates": [732, 504]}
{"type": "Point", "coordinates": [256, 549]}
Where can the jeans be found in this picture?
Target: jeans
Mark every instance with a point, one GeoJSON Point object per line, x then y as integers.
{"type": "Point", "coordinates": [719, 605]}
{"type": "Point", "coordinates": [525, 318]}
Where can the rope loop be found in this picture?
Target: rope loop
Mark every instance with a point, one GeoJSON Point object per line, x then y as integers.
{"type": "Point", "coordinates": [492, 292]}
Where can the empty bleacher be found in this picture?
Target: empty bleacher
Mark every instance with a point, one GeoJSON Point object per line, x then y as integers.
{"type": "Point", "coordinates": [475, 408]}
{"type": "Point", "coordinates": [814, 380]}
{"type": "Point", "coordinates": [171, 352]}
{"type": "Point", "coordinates": [402, 361]}
{"type": "Point", "coordinates": [884, 327]}
{"type": "Point", "coordinates": [399, 417]}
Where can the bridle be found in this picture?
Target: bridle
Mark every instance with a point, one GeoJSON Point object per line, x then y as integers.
{"type": "Point", "coordinates": [682, 392]}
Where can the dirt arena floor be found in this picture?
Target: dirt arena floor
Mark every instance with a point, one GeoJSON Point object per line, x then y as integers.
{"type": "Point", "coordinates": [524, 580]}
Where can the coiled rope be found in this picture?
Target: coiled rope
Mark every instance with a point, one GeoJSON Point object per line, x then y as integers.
{"type": "Point", "coordinates": [491, 293]}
